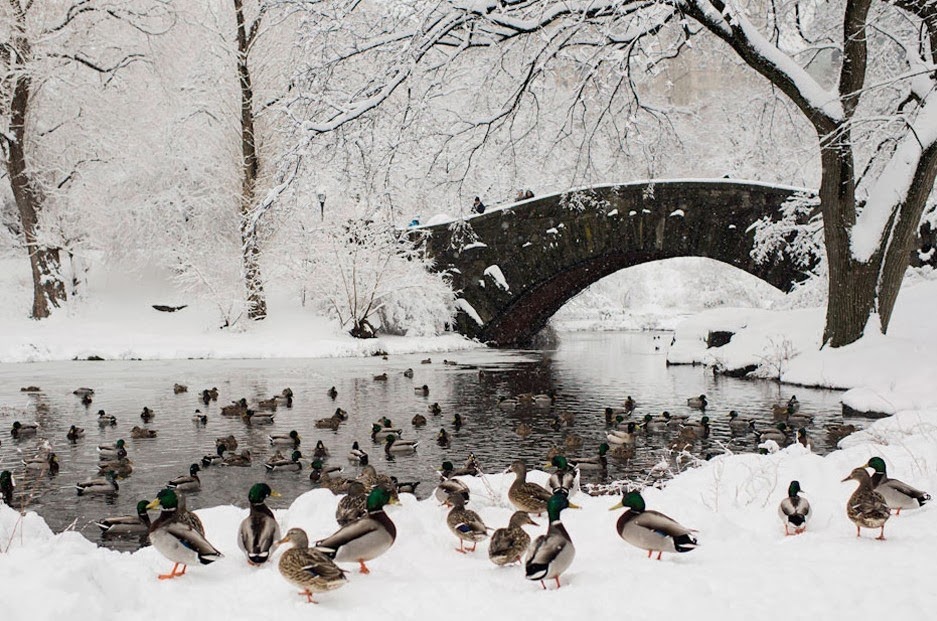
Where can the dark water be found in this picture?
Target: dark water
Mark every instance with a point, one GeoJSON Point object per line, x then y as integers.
{"type": "Point", "coordinates": [589, 371]}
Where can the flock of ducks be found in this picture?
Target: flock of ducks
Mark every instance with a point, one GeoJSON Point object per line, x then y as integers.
{"type": "Point", "coordinates": [366, 532]}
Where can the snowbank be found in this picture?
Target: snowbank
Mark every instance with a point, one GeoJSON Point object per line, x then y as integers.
{"type": "Point", "coordinates": [744, 568]}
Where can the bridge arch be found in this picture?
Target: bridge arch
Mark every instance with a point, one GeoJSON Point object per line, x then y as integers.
{"type": "Point", "coordinates": [515, 266]}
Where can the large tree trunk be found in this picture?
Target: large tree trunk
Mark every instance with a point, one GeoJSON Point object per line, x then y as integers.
{"type": "Point", "coordinates": [48, 288]}
{"type": "Point", "coordinates": [250, 250]}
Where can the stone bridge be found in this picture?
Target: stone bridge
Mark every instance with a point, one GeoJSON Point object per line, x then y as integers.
{"type": "Point", "coordinates": [515, 266]}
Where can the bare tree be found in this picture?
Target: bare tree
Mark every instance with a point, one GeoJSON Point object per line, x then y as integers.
{"type": "Point", "coordinates": [860, 74]}
{"type": "Point", "coordinates": [44, 39]}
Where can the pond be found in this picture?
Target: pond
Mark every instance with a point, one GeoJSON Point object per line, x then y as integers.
{"type": "Point", "coordinates": [588, 371]}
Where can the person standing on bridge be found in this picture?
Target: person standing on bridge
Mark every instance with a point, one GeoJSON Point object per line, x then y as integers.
{"type": "Point", "coordinates": [478, 206]}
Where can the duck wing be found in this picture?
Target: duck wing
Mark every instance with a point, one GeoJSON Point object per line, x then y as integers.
{"type": "Point", "coordinates": [346, 534]}
{"type": "Point", "coordinates": [193, 540]}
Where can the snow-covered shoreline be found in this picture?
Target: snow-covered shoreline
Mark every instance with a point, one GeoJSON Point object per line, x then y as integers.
{"type": "Point", "coordinates": [744, 568]}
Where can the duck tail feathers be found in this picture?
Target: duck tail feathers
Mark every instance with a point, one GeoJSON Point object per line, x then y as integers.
{"type": "Point", "coordinates": [684, 543]}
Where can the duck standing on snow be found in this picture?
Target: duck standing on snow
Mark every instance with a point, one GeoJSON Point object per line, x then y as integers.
{"type": "Point", "coordinates": [866, 507]}
{"type": "Point", "coordinates": [509, 544]}
{"type": "Point", "coordinates": [651, 530]}
{"type": "Point", "coordinates": [552, 553]}
{"type": "Point", "coordinates": [307, 568]}
{"type": "Point", "coordinates": [564, 478]}
{"type": "Point", "coordinates": [364, 539]}
{"type": "Point", "coordinates": [353, 505]}
{"type": "Point", "coordinates": [898, 495]}
{"type": "Point", "coordinates": [528, 497]}
{"type": "Point", "coordinates": [259, 530]}
{"type": "Point", "coordinates": [794, 510]}
{"type": "Point", "coordinates": [465, 523]}
{"type": "Point", "coordinates": [134, 525]}
{"type": "Point", "coordinates": [449, 485]}
{"type": "Point", "coordinates": [177, 536]}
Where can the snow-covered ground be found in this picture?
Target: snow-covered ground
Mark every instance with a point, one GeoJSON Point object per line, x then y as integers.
{"type": "Point", "coordinates": [745, 567]}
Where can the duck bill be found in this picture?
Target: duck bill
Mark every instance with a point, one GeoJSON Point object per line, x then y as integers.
{"type": "Point", "coordinates": [548, 465]}
{"type": "Point", "coordinates": [618, 506]}
{"type": "Point", "coordinates": [153, 505]}
{"type": "Point", "coordinates": [849, 478]}
{"type": "Point", "coordinates": [573, 506]}
{"type": "Point", "coordinates": [275, 494]}
{"type": "Point", "coordinates": [282, 541]}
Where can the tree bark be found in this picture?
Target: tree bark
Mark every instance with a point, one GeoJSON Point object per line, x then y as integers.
{"type": "Point", "coordinates": [250, 250]}
{"type": "Point", "coordinates": [48, 288]}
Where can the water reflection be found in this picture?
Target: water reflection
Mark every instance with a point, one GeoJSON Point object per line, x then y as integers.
{"type": "Point", "coordinates": [588, 371]}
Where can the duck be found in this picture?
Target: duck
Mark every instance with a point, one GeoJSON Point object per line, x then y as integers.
{"type": "Point", "coordinates": [198, 417]}
{"type": "Point", "coordinates": [572, 442]}
{"type": "Point", "coordinates": [257, 417]}
{"type": "Point", "coordinates": [333, 421]}
{"type": "Point", "coordinates": [737, 424]}
{"type": "Point", "coordinates": [616, 436]}
{"type": "Point", "coordinates": [267, 405]}
{"type": "Point", "coordinates": [127, 525]}
{"type": "Point", "coordinates": [139, 433]}
{"type": "Point", "coordinates": [259, 531]}
{"type": "Point", "coordinates": [794, 511]}
{"type": "Point", "coordinates": [74, 433]}
{"type": "Point", "coordinates": [105, 419]}
{"type": "Point", "coordinates": [523, 429]}
{"type": "Point", "coordinates": [622, 451]}
{"type": "Point", "coordinates": [528, 497]}
{"type": "Point", "coordinates": [898, 495]}
{"type": "Point", "coordinates": [509, 544]}
{"type": "Point", "coordinates": [418, 420]}
{"type": "Point", "coordinates": [356, 455]}
{"type": "Point", "coordinates": [671, 422]}
{"type": "Point", "coordinates": [217, 458]}
{"type": "Point", "coordinates": [45, 461]}
{"type": "Point", "coordinates": [422, 391]}
{"type": "Point", "coordinates": [408, 373]}
{"type": "Point", "coordinates": [802, 437]}
{"type": "Point", "coordinates": [799, 420]}
{"type": "Point", "coordinates": [563, 480]}
{"type": "Point", "coordinates": [697, 403]}
{"type": "Point", "coordinates": [443, 438]}
{"type": "Point", "coordinates": [835, 433]}
{"type": "Point", "coordinates": [122, 467]}
{"type": "Point", "coordinates": [113, 451]}
{"type": "Point", "coordinates": [320, 451]}
{"type": "Point", "coordinates": [404, 487]}
{"type": "Point", "coordinates": [434, 409]}
{"type": "Point", "coordinates": [286, 395]}
{"type": "Point", "coordinates": [242, 459]}
{"type": "Point", "coordinates": [7, 485]}
{"type": "Point", "coordinates": [380, 434]}
{"type": "Point", "coordinates": [629, 404]}
{"type": "Point", "coordinates": [107, 485]}
{"type": "Point", "coordinates": [83, 391]}
{"type": "Point", "coordinates": [651, 530]}
{"type": "Point", "coordinates": [353, 505]}
{"type": "Point", "coordinates": [291, 439]}
{"type": "Point", "coordinates": [332, 393]}
{"type": "Point", "coordinates": [653, 425]}
{"type": "Point", "coordinates": [23, 430]}
{"type": "Point", "coordinates": [147, 415]}
{"type": "Point", "coordinates": [451, 363]}
{"type": "Point", "coordinates": [449, 485]}
{"type": "Point", "coordinates": [284, 465]}
{"type": "Point", "coordinates": [393, 445]}
{"type": "Point", "coordinates": [778, 433]}
{"type": "Point", "coordinates": [178, 389]}
{"type": "Point", "coordinates": [866, 507]}
{"type": "Point", "coordinates": [364, 539]}
{"type": "Point", "coordinates": [209, 394]}
{"type": "Point", "coordinates": [177, 536]}
{"type": "Point", "coordinates": [507, 403]}
{"type": "Point", "coordinates": [86, 400]}
{"type": "Point", "coordinates": [308, 568]}
{"type": "Point", "coordinates": [545, 399]}
{"type": "Point", "coordinates": [230, 443]}
{"type": "Point", "coordinates": [319, 470]}
{"type": "Point", "coordinates": [793, 405]}
{"type": "Point", "coordinates": [380, 378]}
{"type": "Point", "coordinates": [598, 462]}
{"type": "Point", "coordinates": [236, 408]}
{"type": "Point", "coordinates": [465, 523]}
{"type": "Point", "coordinates": [426, 361]}
{"type": "Point", "coordinates": [187, 483]}
{"type": "Point", "coordinates": [551, 553]}
{"type": "Point", "coordinates": [695, 429]}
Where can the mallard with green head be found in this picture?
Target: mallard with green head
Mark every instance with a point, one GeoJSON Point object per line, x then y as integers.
{"type": "Point", "coordinates": [552, 553]}
{"type": "Point", "coordinates": [697, 403]}
{"type": "Point", "coordinates": [866, 507]}
{"type": "Point", "coordinates": [509, 544]}
{"type": "Point", "coordinates": [465, 523]}
{"type": "Point", "coordinates": [107, 485]}
{"type": "Point", "coordinates": [290, 439]}
{"type": "Point", "coordinates": [217, 458]}
{"type": "Point", "coordinates": [356, 455]}
{"type": "Point", "coordinates": [380, 434]}
{"type": "Point", "coordinates": [190, 483]}
{"type": "Point", "coordinates": [598, 462]}
{"type": "Point", "coordinates": [307, 568]}
{"type": "Point", "coordinates": [737, 424]}
{"type": "Point", "coordinates": [794, 510]}
{"type": "Point", "coordinates": [651, 530]}
{"type": "Point", "coordinates": [259, 530]}
{"type": "Point", "coordinates": [364, 539]}
{"type": "Point", "coordinates": [113, 451]}
{"type": "Point", "coordinates": [127, 525]}
{"type": "Point", "coordinates": [898, 495]}
{"type": "Point", "coordinates": [23, 430]}
{"type": "Point", "coordinates": [7, 484]}
{"type": "Point", "coordinates": [627, 436]}
{"type": "Point", "coordinates": [176, 538]}
{"type": "Point", "coordinates": [285, 465]}
{"type": "Point", "coordinates": [319, 472]}
{"type": "Point", "coordinates": [393, 445]}
{"type": "Point", "coordinates": [528, 497]}
{"type": "Point", "coordinates": [563, 479]}
{"type": "Point", "coordinates": [44, 461]}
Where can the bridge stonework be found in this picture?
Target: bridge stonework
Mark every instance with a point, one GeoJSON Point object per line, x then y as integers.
{"type": "Point", "coordinates": [513, 268]}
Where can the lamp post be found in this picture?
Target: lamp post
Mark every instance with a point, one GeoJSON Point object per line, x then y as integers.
{"type": "Point", "coordinates": [321, 196]}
